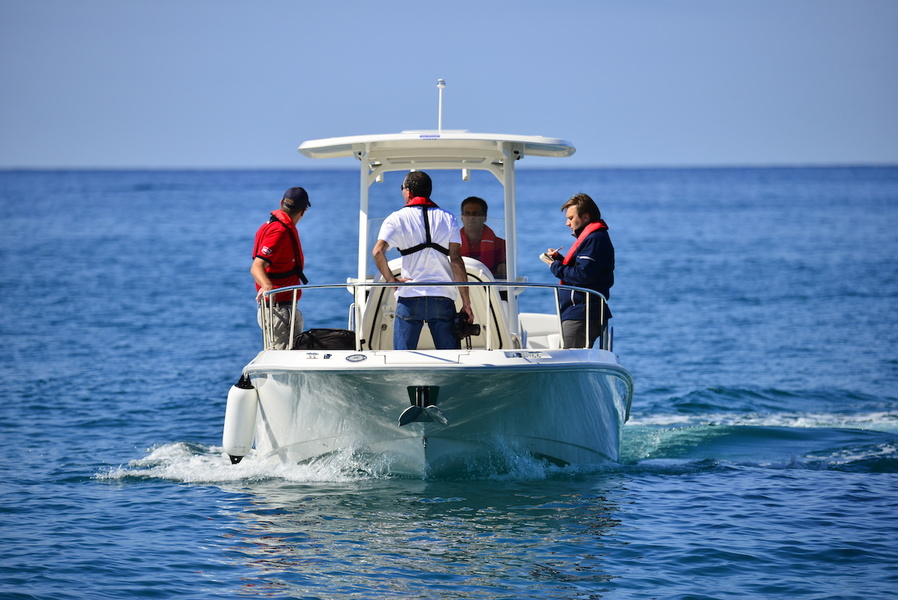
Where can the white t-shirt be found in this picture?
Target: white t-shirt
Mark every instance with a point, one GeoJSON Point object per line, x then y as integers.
{"type": "Point", "coordinates": [405, 229]}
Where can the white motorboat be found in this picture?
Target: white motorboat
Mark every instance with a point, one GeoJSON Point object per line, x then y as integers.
{"type": "Point", "coordinates": [512, 388]}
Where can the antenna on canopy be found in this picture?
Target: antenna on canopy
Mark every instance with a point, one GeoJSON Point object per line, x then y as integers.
{"type": "Point", "coordinates": [441, 85]}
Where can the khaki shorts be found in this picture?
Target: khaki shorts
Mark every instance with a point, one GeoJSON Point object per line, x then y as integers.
{"type": "Point", "coordinates": [280, 329]}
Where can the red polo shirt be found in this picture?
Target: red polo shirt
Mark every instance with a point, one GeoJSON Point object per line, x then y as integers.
{"type": "Point", "coordinates": [277, 243]}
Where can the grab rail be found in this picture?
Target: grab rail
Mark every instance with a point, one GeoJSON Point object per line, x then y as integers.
{"type": "Point", "coordinates": [361, 290]}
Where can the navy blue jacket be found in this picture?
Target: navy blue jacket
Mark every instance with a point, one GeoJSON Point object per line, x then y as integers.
{"type": "Point", "coordinates": [593, 268]}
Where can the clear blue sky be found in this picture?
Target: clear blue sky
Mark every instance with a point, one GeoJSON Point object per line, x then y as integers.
{"type": "Point", "coordinates": [225, 83]}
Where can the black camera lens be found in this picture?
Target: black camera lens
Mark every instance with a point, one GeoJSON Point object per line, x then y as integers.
{"type": "Point", "coordinates": [462, 329]}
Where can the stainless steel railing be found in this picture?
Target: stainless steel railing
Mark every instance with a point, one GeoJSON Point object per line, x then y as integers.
{"type": "Point", "coordinates": [496, 307]}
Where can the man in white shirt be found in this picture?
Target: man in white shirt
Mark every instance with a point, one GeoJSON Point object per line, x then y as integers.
{"type": "Point", "coordinates": [428, 239]}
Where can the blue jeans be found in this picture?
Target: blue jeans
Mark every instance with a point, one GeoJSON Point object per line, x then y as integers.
{"type": "Point", "coordinates": [411, 313]}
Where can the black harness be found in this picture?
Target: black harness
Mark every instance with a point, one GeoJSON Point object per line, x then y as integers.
{"type": "Point", "coordinates": [428, 243]}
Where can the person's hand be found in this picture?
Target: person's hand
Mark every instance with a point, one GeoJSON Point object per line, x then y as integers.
{"type": "Point", "coordinates": [466, 308]}
{"type": "Point", "coordinates": [551, 255]}
{"type": "Point", "coordinates": [261, 292]}
{"type": "Point", "coordinates": [399, 280]}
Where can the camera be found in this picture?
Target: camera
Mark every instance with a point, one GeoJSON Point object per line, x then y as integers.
{"type": "Point", "coordinates": [461, 328]}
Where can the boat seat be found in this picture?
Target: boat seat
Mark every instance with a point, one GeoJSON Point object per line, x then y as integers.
{"type": "Point", "coordinates": [489, 312]}
{"type": "Point", "coordinates": [542, 331]}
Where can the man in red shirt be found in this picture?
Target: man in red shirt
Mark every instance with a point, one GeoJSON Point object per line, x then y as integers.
{"type": "Point", "coordinates": [278, 262]}
{"type": "Point", "coordinates": [477, 240]}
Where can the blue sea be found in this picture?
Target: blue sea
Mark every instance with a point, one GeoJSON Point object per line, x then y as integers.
{"type": "Point", "coordinates": [757, 310]}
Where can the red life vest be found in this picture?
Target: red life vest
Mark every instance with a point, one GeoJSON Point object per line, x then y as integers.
{"type": "Point", "coordinates": [589, 229]}
{"type": "Point", "coordinates": [491, 251]}
{"type": "Point", "coordinates": [421, 201]}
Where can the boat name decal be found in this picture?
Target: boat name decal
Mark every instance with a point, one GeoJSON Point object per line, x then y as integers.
{"type": "Point", "coordinates": [356, 358]}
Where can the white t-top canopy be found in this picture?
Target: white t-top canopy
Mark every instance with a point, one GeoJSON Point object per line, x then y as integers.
{"type": "Point", "coordinates": [442, 149]}
{"type": "Point", "coordinates": [436, 149]}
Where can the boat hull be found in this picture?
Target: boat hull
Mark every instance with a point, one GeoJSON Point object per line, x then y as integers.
{"type": "Point", "coordinates": [566, 406]}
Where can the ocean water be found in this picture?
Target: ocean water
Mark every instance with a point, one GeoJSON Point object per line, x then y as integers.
{"type": "Point", "coordinates": [756, 308]}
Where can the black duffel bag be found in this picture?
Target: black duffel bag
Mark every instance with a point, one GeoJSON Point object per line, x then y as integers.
{"type": "Point", "coordinates": [325, 339]}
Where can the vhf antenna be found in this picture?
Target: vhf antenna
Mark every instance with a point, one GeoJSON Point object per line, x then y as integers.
{"type": "Point", "coordinates": [441, 85]}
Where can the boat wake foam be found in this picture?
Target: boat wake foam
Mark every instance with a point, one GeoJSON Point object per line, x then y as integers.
{"type": "Point", "coordinates": [196, 463]}
{"type": "Point", "coordinates": [715, 446]}
{"type": "Point", "coordinates": [663, 443]}
{"type": "Point", "coordinates": [884, 421]}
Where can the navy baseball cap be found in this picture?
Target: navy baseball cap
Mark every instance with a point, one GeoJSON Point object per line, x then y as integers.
{"type": "Point", "coordinates": [296, 198]}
